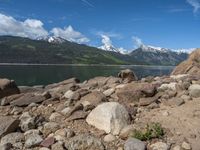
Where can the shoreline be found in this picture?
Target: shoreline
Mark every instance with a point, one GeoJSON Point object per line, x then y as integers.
{"type": "Point", "coordinates": [108, 65]}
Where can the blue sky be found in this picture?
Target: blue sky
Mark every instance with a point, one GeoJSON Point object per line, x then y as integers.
{"type": "Point", "coordinates": [165, 23]}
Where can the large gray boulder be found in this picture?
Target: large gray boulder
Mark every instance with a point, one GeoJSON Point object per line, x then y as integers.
{"type": "Point", "coordinates": [110, 117]}
{"type": "Point", "coordinates": [8, 87]}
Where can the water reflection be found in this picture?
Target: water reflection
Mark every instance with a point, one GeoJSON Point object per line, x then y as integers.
{"type": "Point", "coordinates": [43, 75]}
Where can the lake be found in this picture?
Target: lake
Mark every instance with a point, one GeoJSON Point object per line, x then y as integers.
{"type": "Point", "coordinates": [47, 74]}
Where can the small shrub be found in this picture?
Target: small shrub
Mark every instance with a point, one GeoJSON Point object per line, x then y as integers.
{"type": "Point", "coordinates": [153, 130]}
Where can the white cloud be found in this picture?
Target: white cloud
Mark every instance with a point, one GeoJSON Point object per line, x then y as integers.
{"type": "Point", "coordinates": [137, 41]}
{"type": "Point", "coordinates": [106, 40]}
{"type": "Point", "coordinates": [195, 4]}
{"type": "Point", "coordinates": [70, 34]}
{"type": "Point", "coordinates": [30, 28]}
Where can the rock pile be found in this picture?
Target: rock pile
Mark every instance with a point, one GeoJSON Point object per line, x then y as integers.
{"type": "Point", "coordinates": [101, 113]}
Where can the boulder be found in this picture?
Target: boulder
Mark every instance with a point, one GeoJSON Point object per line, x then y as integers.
{"type": "Point", "coordinates": [127, 75]}
{"type": "Point", "coordinates": [110, 117]}
{"type": "Point", "coordinates": [93, 98]}
{"type": "Point", "coordinates": [27, 99]}
{"type": "Point", "coordinates": [194, 90]}
{"type": "Point", "coordinates": [8, 124]}
{"type": "Point", "coordinates": [134, 144]}
{"type": "Point", "coordinates": [132, 92]}
{"type": "Point", "coordinates": [8, 87]}
{"type": "Point", "coordinates": [84, 142]}
{"type": "Point", "coordinates": [190, 66]}
{"type": "Point", "coordinates": [8, 99]}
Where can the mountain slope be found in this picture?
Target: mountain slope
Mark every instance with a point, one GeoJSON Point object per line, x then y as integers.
{"type": "Point", "coordinates": [152, 56]}
{"type": "Point", "coordinates": [24, 50]}
{"type": "Point", "coordinates": [59, 51]}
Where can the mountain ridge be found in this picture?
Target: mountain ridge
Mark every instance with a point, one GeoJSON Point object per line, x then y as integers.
{"type": "Point", "coordinates": [59, 51]}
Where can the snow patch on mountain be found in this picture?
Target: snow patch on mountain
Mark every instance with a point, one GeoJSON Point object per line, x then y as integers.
{"type": "Point", "coordinates": [108, 46]}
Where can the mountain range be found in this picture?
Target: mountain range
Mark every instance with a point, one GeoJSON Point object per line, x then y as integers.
{"type": "Point", "coordinates": [55, 50]}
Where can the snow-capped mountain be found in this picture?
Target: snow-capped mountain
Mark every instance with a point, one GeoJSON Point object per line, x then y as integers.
{"type": "Point", "coordinates": [53, 39]}
{"type": "Point", "coordinates": [111, 48]}
{"type": "Point", "coordinates": [108, 46]}
{"type": "Point", "coordinates": [149, 48]}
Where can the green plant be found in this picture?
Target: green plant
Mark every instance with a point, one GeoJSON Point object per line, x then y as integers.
{"type": "Point", "coordinates": [153, 130]}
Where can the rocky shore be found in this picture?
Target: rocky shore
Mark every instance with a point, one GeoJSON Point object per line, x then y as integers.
{"type": "Point", "coordinates": [104, 113]}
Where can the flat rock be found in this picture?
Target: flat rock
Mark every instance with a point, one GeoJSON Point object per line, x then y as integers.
{"type": "Point", "coordinates": [48, 142]}
{"type": "Point", "coordinates": [93, 98]}
{"type": "Point", "coordinates": [84, 142]}
{"type": "Point", "coordinates": [27, 99]}
{"type": "Point", "coordinates": [8, 125]}
{"type": "Point", "coordinates": [132, 92]}
{"type": "Point", "coordinates": [110, 117]}
{"type": "Point", "coordinates": [134, 144]}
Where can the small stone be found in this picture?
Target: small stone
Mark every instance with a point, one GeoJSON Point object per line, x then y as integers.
{"type": "Point", "coordinates": [165, 113]}
{"type": "Point", "coordinates": [50, 127]}
{"type": "Point", "coordinates": [84, 142]}
{"type": "Point", "coordinates": [159, 146]}
{"type": "Point", "coordinates": [48, 142]}
{"type": "Point", "coordinates": [109, 92]}
{"type": "Point", "coordinates": [44, 148]}
{"type": "Point", "coordinates": [134, 144]}
{"type": "Point", "coordinates": [177, 147]}
{"type": "Point", "coordinates": [66, 110]}
{"type": "Point", "coordinates": [33, 140]}
{"type": "Point", "coordinates": [6, 146]}
{"type": "Point", "coordinates": [56, 117]}
{"type": "Point", "coordinates": [186, 146]}
{"type": "Point", "coordinates": [57, 146]}
{"type": "Point", "coordinates": [8, 124]}
{"type": "Point", "coordinates": [16, 111]}
{"type": "Point", "coordinates": [125, 132]}
{"type": "Point", "coordinates": [69, 94]}
{"type": "Point", "coordinates": [27, 122]}
{"type": "Point", "coordinates": [194, 90]}
{"type": "Point", "coordinates": [186, 97]}
{"type": "Point", "coordinates": [12, 138]}
{"type": "Point", "coordinates": [109, 138]}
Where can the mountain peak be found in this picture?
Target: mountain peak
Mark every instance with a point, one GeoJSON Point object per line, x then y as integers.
{"type": "Point", "coordinates": [53, 39]}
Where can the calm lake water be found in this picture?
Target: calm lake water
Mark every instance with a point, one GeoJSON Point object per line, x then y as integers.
{"type": "Point", "coordinates": [43, 75]}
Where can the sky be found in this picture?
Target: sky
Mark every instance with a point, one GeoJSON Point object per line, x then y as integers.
{"type": "Point", "coordinates": [122, 23]}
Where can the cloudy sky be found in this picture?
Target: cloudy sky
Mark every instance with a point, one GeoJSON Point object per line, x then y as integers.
{"type": "Point", "coordinates": [166, 23]}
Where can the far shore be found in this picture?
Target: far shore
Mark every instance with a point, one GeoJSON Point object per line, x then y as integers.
{"type": "Point", "coordinates": [30, 64]}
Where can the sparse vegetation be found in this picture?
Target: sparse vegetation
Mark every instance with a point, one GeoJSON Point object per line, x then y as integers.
{"type": "Point", "coordinates": [153, 130]}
